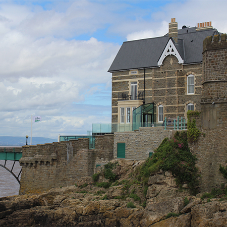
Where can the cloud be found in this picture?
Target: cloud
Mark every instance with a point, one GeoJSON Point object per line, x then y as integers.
{"type": "Point", "coordinates": [53, 66]}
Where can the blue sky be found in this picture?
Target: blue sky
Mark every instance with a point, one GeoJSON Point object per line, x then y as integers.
{"type": "Point", "coordinates": [55, 56]}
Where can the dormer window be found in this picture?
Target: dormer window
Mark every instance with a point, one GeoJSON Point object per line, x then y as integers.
{"type": "Point", "coordinates": [190, 84]}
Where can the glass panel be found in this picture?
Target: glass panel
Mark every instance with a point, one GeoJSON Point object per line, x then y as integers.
{"type": "Point", "coordinates": [122, 115]}
{"type": "Point", "coordinates": [190, 84]}
{"type": "Point", "coordinates": [190, 106]}
{"type": "Point", "coordinates": [160, 113]}
{"type": "Point", "coordinates": [128, 115]}
{"type": "Point", "coordinates": [133, 90]}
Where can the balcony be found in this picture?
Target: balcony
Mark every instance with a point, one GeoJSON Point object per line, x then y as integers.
{"type": "Point", "coordinates": [125, 96]}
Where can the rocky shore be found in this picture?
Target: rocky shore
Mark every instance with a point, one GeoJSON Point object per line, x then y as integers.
{"type": "Point", "coordinates": [87, 204]}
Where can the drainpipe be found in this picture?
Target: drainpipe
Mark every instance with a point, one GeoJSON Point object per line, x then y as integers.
{"type": "Point", "coordinates": [143, 85]}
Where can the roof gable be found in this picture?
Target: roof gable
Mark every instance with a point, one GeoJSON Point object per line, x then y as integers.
{"type": "Point", "coordinates": [170, 49]}
{"type": "Point", "coordinates": [146, 53]}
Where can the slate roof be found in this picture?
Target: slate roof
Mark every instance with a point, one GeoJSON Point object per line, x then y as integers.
{"type": "Point", "coordinates": [145, 53]}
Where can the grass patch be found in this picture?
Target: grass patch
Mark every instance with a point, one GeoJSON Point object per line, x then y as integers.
{"type": "Point", "coordinates": [131, 205]}
{"type": "Point", "coordinates": [172, 215]}
{"type": "Point", "coordinates": [215, 193]}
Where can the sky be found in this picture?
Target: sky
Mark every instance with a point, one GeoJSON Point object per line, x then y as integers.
{"type": "Point", "coordinates": [54, 56]}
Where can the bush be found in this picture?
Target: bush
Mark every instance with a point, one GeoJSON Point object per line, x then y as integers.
{"type": "Point", "coordinates": [83, 185]}
{"type": "Point", "coordinates": [131, 205]}
{"type": "Point", "coordinates": [186, 201]}
{"type": "Point", "coordinates": [172, 155]}
{"type": "Point", "coordinates": [100, 192]}
{"type": "Point", "coordinates": [108, 174]}
{"type": "Point", "coordinates": [193, 132]}
{"type": "Point", "coordinates": [144, 204]}
{"type": "Point", "coordinates": [105, 197]}
{"type": "Point", "coordinates": [223, 170]}
{"type": "Point", "coordinates": [95, 177]}
{"type": "Point", "coordinates": [135, 197]}
{"type": "Point", "coordinates": [103, 184]}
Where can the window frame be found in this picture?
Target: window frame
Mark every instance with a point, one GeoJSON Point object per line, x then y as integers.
{"type": "Point", "coordinates": [134, 91]}
{"type": "Point", "coordinates": [188, 77]}
{"type": "Point", "coordinates": [122, 116]}
{"type": "Point", "coordinates": [190, 104]}
{"type": "Point", "coordinates": [160, 106]}
{"type": "Point", "coordinates": [128, 115]}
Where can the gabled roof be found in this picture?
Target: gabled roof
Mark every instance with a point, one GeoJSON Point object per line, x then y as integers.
{"type": "Point", "coordinates": [145, 53]}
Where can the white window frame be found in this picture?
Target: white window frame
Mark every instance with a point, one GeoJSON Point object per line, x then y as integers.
{"type": "Point", "coordinates": [134, 86]}
{"type": "Point", "coordinates": [192, 84]}
{"type": "Point", "coordinates": [122, 115]}
{"type": "Point", "coordinates": [190, 104]}
{"type": "Point", "coordinates": [128, 115]}
{"type": "Point", "coordinates": [160, 114]}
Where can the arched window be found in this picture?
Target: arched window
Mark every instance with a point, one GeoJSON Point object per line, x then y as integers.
{"type": "Point", "coordinates": [190, 106]}
{"type": "Point", "coordinates": [190, 84]}
{"type": "Point", "coordinates": [160, 113]}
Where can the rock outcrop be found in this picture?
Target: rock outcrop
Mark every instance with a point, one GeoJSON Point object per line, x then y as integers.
{"type": "Point", "coordinates": [89, 205]}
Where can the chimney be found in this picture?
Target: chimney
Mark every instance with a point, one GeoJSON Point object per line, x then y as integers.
{"type": "Point", "coordinates": [204, 25]}
{"type": "Point", "coordinates": [173, 30]}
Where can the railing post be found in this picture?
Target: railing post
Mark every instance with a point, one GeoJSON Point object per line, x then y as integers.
{"type": "Point", "coordinates": [174, 123]}
{"type": "Point", "coordinates": [165, 123]}
{"type": "Point", "coordinates": [184, 124]}
{"type": "Point", "coordinates": [181, 123]}
{"type": "Point", "coordinates": [178, 123]}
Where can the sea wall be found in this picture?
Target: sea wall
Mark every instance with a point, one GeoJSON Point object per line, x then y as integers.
{"type": "Point", "coordinates": [61, 163]}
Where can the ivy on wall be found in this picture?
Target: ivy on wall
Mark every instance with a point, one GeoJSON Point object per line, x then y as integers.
{"type": "Point", "coordinates": [193, 132]}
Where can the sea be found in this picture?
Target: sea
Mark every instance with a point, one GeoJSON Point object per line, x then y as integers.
{"type": "Point", "coordinates": [8, 184]}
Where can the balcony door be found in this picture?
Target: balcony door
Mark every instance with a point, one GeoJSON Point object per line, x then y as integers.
{"type": "Point", "coordinates": [133, 90]}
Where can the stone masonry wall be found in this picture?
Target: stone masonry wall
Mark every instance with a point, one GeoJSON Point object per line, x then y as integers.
{"type": "Point", "coordinates": [165, 85]}
{"type": "Point", "coordinates": [211, 149]}
{"type": "Point", "coordinates": [61, 163]}
{"type": "Point", "coordinates": [139, 143]}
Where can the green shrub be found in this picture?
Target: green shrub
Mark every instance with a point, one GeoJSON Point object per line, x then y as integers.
{"type": "Point", "coordinates": [103, 184]}
{"type": "Point", "coordinates": [172, 215]}
{"type": "Point", "coordinates": [223, 170]}
{"type": "Point", "coordinates": [83, 185]}
{"type": "Point", "coordinates": [206, 195]}
{"type": "Point", "coordinates": [100, 192]}
{"type": "Point", "coordinates": [108, 174]}
{"type": "Point", "coordinates": [193, 132]}
{"type": "Point", "coordinates": [95, 177]}
{"type": "Point", "coordinates": [119, 197]}
{"type": "Point", "coordinates": [83, 191]}
{"type": "Point", "coordinates": [131, 205]}
{"type": "Point", "coordinates": [144, 204]}
{"type": "Point", "coordinates": [135, 197]}
{"type": "Point", "coordinates": [105, 197]}
{"type": "Point", "coordinates": [186, 201]}
{"type": "Point", "coordinates": [172, 155]}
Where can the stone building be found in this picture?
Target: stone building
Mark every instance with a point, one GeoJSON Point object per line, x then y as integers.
{"type": "Point", "coordinates": [162, 75]}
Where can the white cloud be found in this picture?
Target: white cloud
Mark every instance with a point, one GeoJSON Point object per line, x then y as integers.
{"type": "Point", "coordinates": [46, 70]}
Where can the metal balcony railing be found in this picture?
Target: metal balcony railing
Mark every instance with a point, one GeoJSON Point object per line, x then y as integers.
{"type": "Point", "coordinates": [125, 96]}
